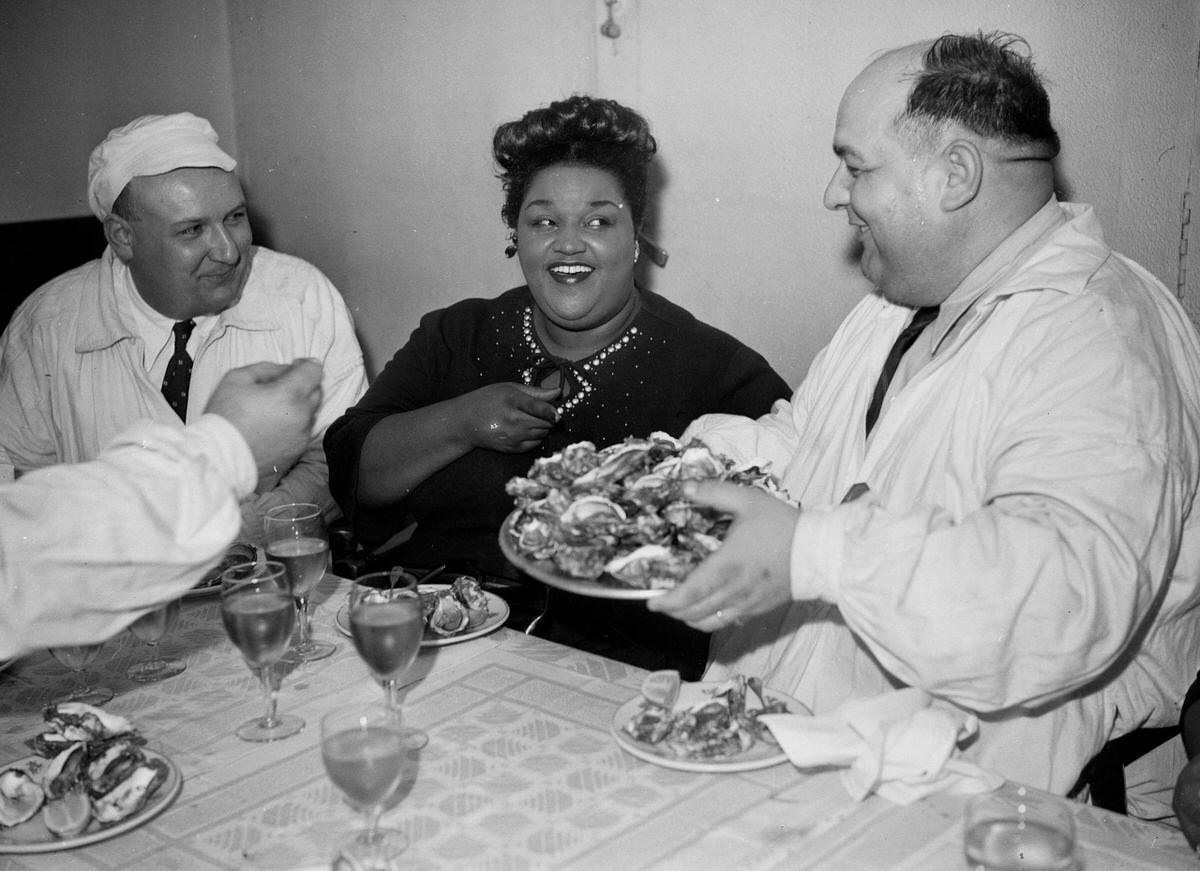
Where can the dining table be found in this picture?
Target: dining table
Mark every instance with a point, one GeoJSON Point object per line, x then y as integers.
{"type": "Point", "coordinates": [522, 770]}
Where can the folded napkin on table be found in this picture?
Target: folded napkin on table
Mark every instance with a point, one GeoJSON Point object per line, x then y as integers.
{"type": "Point", "coordinates": [895, 744]}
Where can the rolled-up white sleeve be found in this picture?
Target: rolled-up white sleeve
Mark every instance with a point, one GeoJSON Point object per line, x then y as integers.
{"type": "Point", "coordinates": [85, 548]}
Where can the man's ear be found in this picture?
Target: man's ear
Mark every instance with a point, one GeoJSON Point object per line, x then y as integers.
{"type": "Point", "coordinates": [120, 236]}
{"type": "Point", "coordinates": [963, 164]}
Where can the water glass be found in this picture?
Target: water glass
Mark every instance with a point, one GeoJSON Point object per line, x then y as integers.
{"type": "Point", "coordinates": [367, 756]}
{"type": "Point", "coordinates": [295, 536]}
{"type": "Point", "coordinates": [387, 623]}
{"type": "Point", "coordinates": [151, 628]}
{"type": "Point", "coordinates": [1019, 829]}
{"type": "Point", "coordinates": [78, 658]}
{"type": "Point", "coordinates": [259, 615]}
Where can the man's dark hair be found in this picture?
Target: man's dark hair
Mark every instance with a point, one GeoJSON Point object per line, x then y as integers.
{"type": "Point", "coordinates": [987, 83]}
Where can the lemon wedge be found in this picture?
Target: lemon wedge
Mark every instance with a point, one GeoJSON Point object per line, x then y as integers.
{"type": "Point", "coordinates": [661, 688]}
{"type": "Point", "coordinates": [69, 815]}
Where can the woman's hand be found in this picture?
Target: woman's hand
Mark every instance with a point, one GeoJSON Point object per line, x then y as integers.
{"type": "Point", "coordinates": [510, 418]}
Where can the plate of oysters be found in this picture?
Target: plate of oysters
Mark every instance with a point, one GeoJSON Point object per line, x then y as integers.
{"type": "Point", "coordinates": [705, 726]}
{"type": "Point", "coordinates": [613, 523]}
{"type": "Point", "coordinates": [90, 778]}
{"type": "Point", "coordinates": [456, 611]}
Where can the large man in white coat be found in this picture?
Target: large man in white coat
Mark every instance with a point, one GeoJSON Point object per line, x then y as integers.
{"type": "Point", "coordinates": [996, 456]}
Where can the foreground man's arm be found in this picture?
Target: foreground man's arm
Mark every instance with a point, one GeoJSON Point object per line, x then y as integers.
{"type": "Point", "coordinates": [86, 548]}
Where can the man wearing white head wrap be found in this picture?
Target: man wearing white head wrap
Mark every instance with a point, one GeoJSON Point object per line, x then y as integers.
{"type": "Point", "coordinates": [150, 145]}
{"type": "Point", "coordinates": [86, 354]}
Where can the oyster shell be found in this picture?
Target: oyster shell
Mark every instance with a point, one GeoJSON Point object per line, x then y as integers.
{"type": "Point", "coordinates": [130, 793]}
{"type": "Point", "coordinates": [76, 721]}
{"type": "Point", "coordinates": [536, 534]}
{"type": "Point", "coordinates": [110, 762]}
{"type": "Point", "coordinates": [20, 796]}
{"type": "Point", "coordinates": [581, 560]}
{"type": "Point", "coordinates": [65, 770]}
{"type": "Point", "coordinates": [591, 510]}
{"type": "Point", "coordinates": [449, 615]}
{"type": "Point", "coordinates": [467, 590]}
{"type": "Point", "coordinates": [650, 567]}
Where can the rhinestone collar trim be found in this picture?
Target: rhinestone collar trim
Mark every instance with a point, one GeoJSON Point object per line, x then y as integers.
{"type": "Point", "coordinates": [583, 372]}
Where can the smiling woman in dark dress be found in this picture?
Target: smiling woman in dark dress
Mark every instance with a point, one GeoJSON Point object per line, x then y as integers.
{"type": "Point", "coordinates": [580, 352]}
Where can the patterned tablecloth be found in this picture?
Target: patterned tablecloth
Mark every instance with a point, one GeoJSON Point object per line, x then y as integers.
{"type": "Point", "coordinates": [520, 772]}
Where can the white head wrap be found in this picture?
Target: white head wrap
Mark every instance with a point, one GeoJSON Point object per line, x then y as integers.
{"type": "Point", "coordinates": [150, 145]}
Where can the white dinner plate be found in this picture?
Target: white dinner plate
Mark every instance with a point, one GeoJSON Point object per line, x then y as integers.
{"type": "Point", "coordinates": [32, 836]}
{"type": "Point", "coordinates": [497, 614]}
{"type": "Point", "coordinates": [761, 754]}
{"type": "Point", "coordinates": [548, 573]}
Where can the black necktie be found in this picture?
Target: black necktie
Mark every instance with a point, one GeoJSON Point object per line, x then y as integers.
{"type": "Point", "coordinates": [179, 370]}
{"type": "Point", "coordinates": [921, 318]}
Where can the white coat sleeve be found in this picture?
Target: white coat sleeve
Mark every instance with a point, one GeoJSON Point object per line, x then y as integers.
{"type": "Point", "coordinates": [86, 548]}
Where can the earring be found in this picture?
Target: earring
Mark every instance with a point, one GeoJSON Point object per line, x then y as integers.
{"type": "Point", "coordinates": [512, 244]}
{"type": "Point", "coordinates": [637, 250]}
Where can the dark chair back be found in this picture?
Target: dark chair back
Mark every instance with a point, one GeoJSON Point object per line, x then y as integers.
{"type": "Point", "coordinates": [33, 252]}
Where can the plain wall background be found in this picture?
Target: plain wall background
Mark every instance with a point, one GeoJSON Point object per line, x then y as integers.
{"type": "Point", "coordinates": [363, 130]}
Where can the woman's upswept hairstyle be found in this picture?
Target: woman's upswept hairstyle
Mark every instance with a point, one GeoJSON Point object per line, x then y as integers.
{"type": "Point", "coordinates": [987, 83]}
{"type": "Point", "coordinates": [581, 130]}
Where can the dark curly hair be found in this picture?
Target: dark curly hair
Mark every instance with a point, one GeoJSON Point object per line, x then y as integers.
{"type": "Point", "coordinates": [581, 130]}
{"type": "Point", "coordinates": [987, 83]}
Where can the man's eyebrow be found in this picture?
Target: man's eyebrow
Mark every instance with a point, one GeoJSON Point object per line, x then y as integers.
{"type": "Point", "coordinates": [844, 151]}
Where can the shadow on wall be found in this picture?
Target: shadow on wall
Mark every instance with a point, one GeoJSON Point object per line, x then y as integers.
{"type": "Point", "coordinates": [646, 272]}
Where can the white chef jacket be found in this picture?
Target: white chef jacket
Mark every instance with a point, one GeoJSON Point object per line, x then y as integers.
{"type": "Point", "coordinates": [1028, 548]}
{"type": "Point", "coordinates": [87, 548]}
{"type": "Point", "coordinates": [73, 370]}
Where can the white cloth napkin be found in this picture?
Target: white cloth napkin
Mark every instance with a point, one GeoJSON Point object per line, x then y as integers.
{"type": "Point", "coordinates": [895, 744]}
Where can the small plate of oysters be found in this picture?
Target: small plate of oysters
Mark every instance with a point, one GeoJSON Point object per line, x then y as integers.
{"type": "Point", "coordinates": [456, 611]}
{"type": "Point", "coordinates": [89, 779]}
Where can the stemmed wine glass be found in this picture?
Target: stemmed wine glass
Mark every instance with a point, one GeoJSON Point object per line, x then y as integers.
{"type": "Point", "coordinates": [259, 615]}
{"type": "Point", "coordinates": [367, 756]}
{"type": "Point", "coordinates": [295, 536]}
{"type": "Point", "coordinates": [78, 657]}
{"type": "Point", "coordinates": [151, 628]}
{"type": "Point", "coordinates": [386, 623]}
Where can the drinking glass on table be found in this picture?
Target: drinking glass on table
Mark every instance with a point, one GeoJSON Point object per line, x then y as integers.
{"type": "Point", "coordinates": [367, 757]}
{"type": "Point", "coordinates": [78, 657]}
{"type": "Point", "coordinates": [259, 615]}
{"type": "Point", "coordinates": [151, 628]}
{"type": "Point", "coordinates": [387, 622]}
{"type": "Point", "coordinates": [1019, 829]}
{"type": "Point", "coordinates": [295, 536]}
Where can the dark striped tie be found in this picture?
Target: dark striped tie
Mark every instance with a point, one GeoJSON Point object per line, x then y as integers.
{"type": "Point", "coordinates": [921, 318]}
{"type": "Point", "coordinates": [179, 370]}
